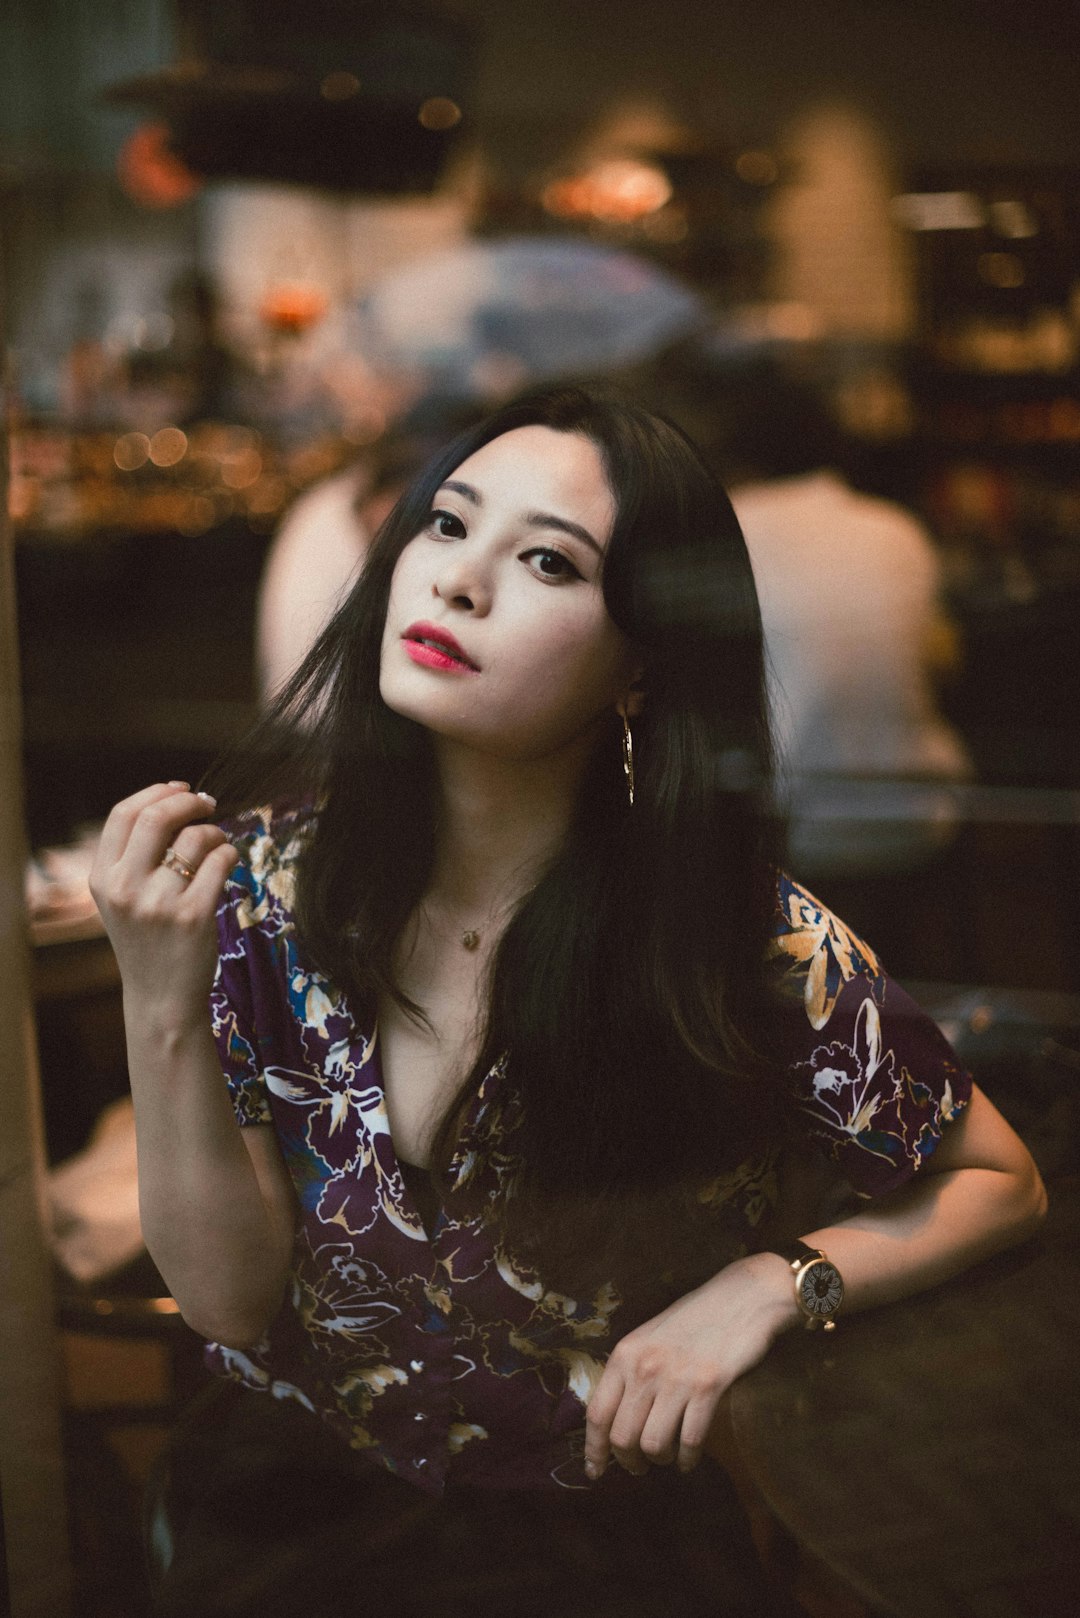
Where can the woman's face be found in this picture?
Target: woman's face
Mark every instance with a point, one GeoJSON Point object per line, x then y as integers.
{"type": "Point", "coordinates": [497, 636]}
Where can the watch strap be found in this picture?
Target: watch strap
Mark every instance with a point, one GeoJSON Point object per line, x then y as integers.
{"type": "Point", "coordinates": [795, 1253]}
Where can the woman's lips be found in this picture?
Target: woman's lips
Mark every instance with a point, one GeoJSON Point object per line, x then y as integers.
{"type": "Point", "coordinates": [436, 648]}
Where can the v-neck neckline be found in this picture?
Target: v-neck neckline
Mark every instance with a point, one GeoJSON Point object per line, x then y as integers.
{"type": "Point", "coordinates": [465, 1151]}
{"type": "Point", "coordinates": [410, 1204]}
{"type": "Point", "coordinates": [421, 1190]}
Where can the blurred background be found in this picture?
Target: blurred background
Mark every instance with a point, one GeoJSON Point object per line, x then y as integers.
{"type": "Point", "coordinates": [258, 260]}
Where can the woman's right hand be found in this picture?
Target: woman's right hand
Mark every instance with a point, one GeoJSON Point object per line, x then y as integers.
{"type": "Point", "coordinates": [160, 922]}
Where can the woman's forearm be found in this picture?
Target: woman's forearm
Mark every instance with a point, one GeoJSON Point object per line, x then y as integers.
{"type": "Point", "coordinates": [979, 1193]}
{"type": "Point", "coordinates": [932, 1229]}
{"type": "Point", "coordinates": [216, 1213]}
{"type": "Point", "coordinates": [222, 1246]}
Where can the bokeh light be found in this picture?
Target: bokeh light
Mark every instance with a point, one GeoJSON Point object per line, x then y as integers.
{"type": "Point", "coordinates": [439, 112]}
{"type": "Point", "coordinates": [131, 451]}
{"type": "Point", "coordinates": [168, 446]}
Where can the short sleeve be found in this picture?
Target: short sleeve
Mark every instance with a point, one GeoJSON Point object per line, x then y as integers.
{"type": "Point", "coordinates": [231, 1003]}
{"type": "Point", "coordinates": [872, 1079]}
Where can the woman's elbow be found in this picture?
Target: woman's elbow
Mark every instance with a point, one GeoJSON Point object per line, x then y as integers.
{"type": "Point", "coordinates": [240, 1319]}
{"type": "Point", "coordinates": [983, 1140]}
{"type": "Point", "coordinates": [232, 1330]}
{"type": "Point", "coordinates": [1027, 1204]}
{"type": "Point", "coordinates": [1037, 1199]}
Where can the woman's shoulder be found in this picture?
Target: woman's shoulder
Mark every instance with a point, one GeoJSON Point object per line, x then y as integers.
{"type": "Point", "coordinates": [872, 1075]}
{"type": "Point", "coordinates": [262, 885]}
{"type": "Point", "coordinates": [813, 954]}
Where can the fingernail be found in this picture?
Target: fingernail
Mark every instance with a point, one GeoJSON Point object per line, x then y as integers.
{"type": "Point", "coordinates": [592, 1470]}
{"type": "Point", "coordinates": [212, 801]}
{"type": "Point", "coordinates": [185, 786]}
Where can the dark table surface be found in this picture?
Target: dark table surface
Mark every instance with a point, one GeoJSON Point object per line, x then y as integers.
{"type": "Point", "coordinates": [929, 1452]}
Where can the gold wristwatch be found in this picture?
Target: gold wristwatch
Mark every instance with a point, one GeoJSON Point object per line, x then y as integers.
{"type": "Point", "coordinates": [819, 1286]}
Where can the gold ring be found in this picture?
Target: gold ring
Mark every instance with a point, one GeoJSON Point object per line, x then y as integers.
{"type": "Point", "coordinates": [176, 862]}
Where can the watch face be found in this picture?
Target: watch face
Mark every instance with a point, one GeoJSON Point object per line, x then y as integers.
{"type": "Point", "coordinates": [820, 1289]}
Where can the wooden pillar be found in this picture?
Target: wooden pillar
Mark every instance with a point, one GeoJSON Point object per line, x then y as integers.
{"type": "Point", "coordinates": [31, 1464]}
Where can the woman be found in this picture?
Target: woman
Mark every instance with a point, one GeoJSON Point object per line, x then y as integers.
{"type": "Point", "coordinates": [498, 1266]}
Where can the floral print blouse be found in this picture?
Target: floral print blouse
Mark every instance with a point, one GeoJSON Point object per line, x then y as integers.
{"type": "Point", "coordinates": [438, 1356]}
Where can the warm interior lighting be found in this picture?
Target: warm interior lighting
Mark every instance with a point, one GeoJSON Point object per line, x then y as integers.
{"type": "Point", "coordinates": [939, 210]}
{"type": "Point", "coordinates": [131, 451]}
{"type": "Point", "coordinates": [198, 515]}
{"type": "Point", "coordinates": [267, 497]}
{"type": "Point", "coordinates": [1013, 219]}
{"type": "Point", "coordinates": [171, 480]}
{"type": "Point", "coordinates": [235, 441]}
{"type": "Point", "coordinates": [439, 112]}
{"type": "Point", "coordinates": [241, 470]}
{"type": "Point", "coordinates": [1064, 420]}
{"type": "Point", "coordinates": [168, 446]}
{"type": "Point", "coordinates": [791, 322]}
{"type": "Point", "coordinates": [150, 171]}
{"type": "Point", "coordinates": [1001, 269]}
{"type": "Point", "coordinates": [616, 191]}
{"type": "Point", "coordinates": [339, 86]}
{"type": "Point", "coordinates": [293, 306]}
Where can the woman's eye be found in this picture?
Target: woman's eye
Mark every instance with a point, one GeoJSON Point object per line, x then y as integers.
{"type": "Point", "coordinates": [446, 526]}
{"type": "Point", "coordinates": [551, 564]}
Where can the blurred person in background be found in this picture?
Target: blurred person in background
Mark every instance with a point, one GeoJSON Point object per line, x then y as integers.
{"type": "Point", "coordinates": [527, 1045]}
{"type": "Point", "coordinates": [856, 633]}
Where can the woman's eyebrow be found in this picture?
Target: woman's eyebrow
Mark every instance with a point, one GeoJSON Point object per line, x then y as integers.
{"type": "Point", "coordinates": [471, 494]}
{"type": "Point", "coordinates": [544, 519]}
{"type": "Point", "coordinates": [534, 519]}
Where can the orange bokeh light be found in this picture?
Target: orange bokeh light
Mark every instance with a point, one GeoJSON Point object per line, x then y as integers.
{"type": "Point", "coordinates": [616, 191]}
{"type": "Point", "coordinates": [151, 173]}
{"type": "Point", "coordinates": [293, 306]}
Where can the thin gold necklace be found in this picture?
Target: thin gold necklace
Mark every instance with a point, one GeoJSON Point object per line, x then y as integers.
{"type": "Point", "coordinates": [470, 938]}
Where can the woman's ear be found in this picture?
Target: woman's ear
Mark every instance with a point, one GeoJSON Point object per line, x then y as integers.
{"type": "Point", "coordinates": [633, 700]}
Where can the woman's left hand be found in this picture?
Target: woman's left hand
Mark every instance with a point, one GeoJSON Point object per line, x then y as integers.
{"type": "Point", "coordinates": [657, 1399]}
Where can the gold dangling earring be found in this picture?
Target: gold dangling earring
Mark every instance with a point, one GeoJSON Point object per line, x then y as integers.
{"type": "Point", "coordinates": [628, 758]}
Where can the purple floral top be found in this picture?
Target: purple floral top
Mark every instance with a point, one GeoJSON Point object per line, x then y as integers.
{"type": "Point", "coordinates": [440, 1357]}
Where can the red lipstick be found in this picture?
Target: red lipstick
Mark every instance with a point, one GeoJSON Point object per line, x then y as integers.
{"type": "Point", "coordinates": [436, 648]}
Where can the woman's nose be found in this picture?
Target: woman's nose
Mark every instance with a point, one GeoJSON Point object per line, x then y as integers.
{"type": "Point", "coordinates": [462, 580]}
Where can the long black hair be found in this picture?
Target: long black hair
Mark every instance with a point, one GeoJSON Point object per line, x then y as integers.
{"type": "Point", "coordinates": [627, 990]}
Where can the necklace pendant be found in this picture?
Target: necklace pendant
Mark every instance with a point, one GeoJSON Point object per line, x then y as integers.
{"type": "Point", "coordinates": [470, 939]}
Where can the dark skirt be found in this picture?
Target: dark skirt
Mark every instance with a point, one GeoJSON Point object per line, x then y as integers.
{"type": "Point", "coordinates": [258, 1511]}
